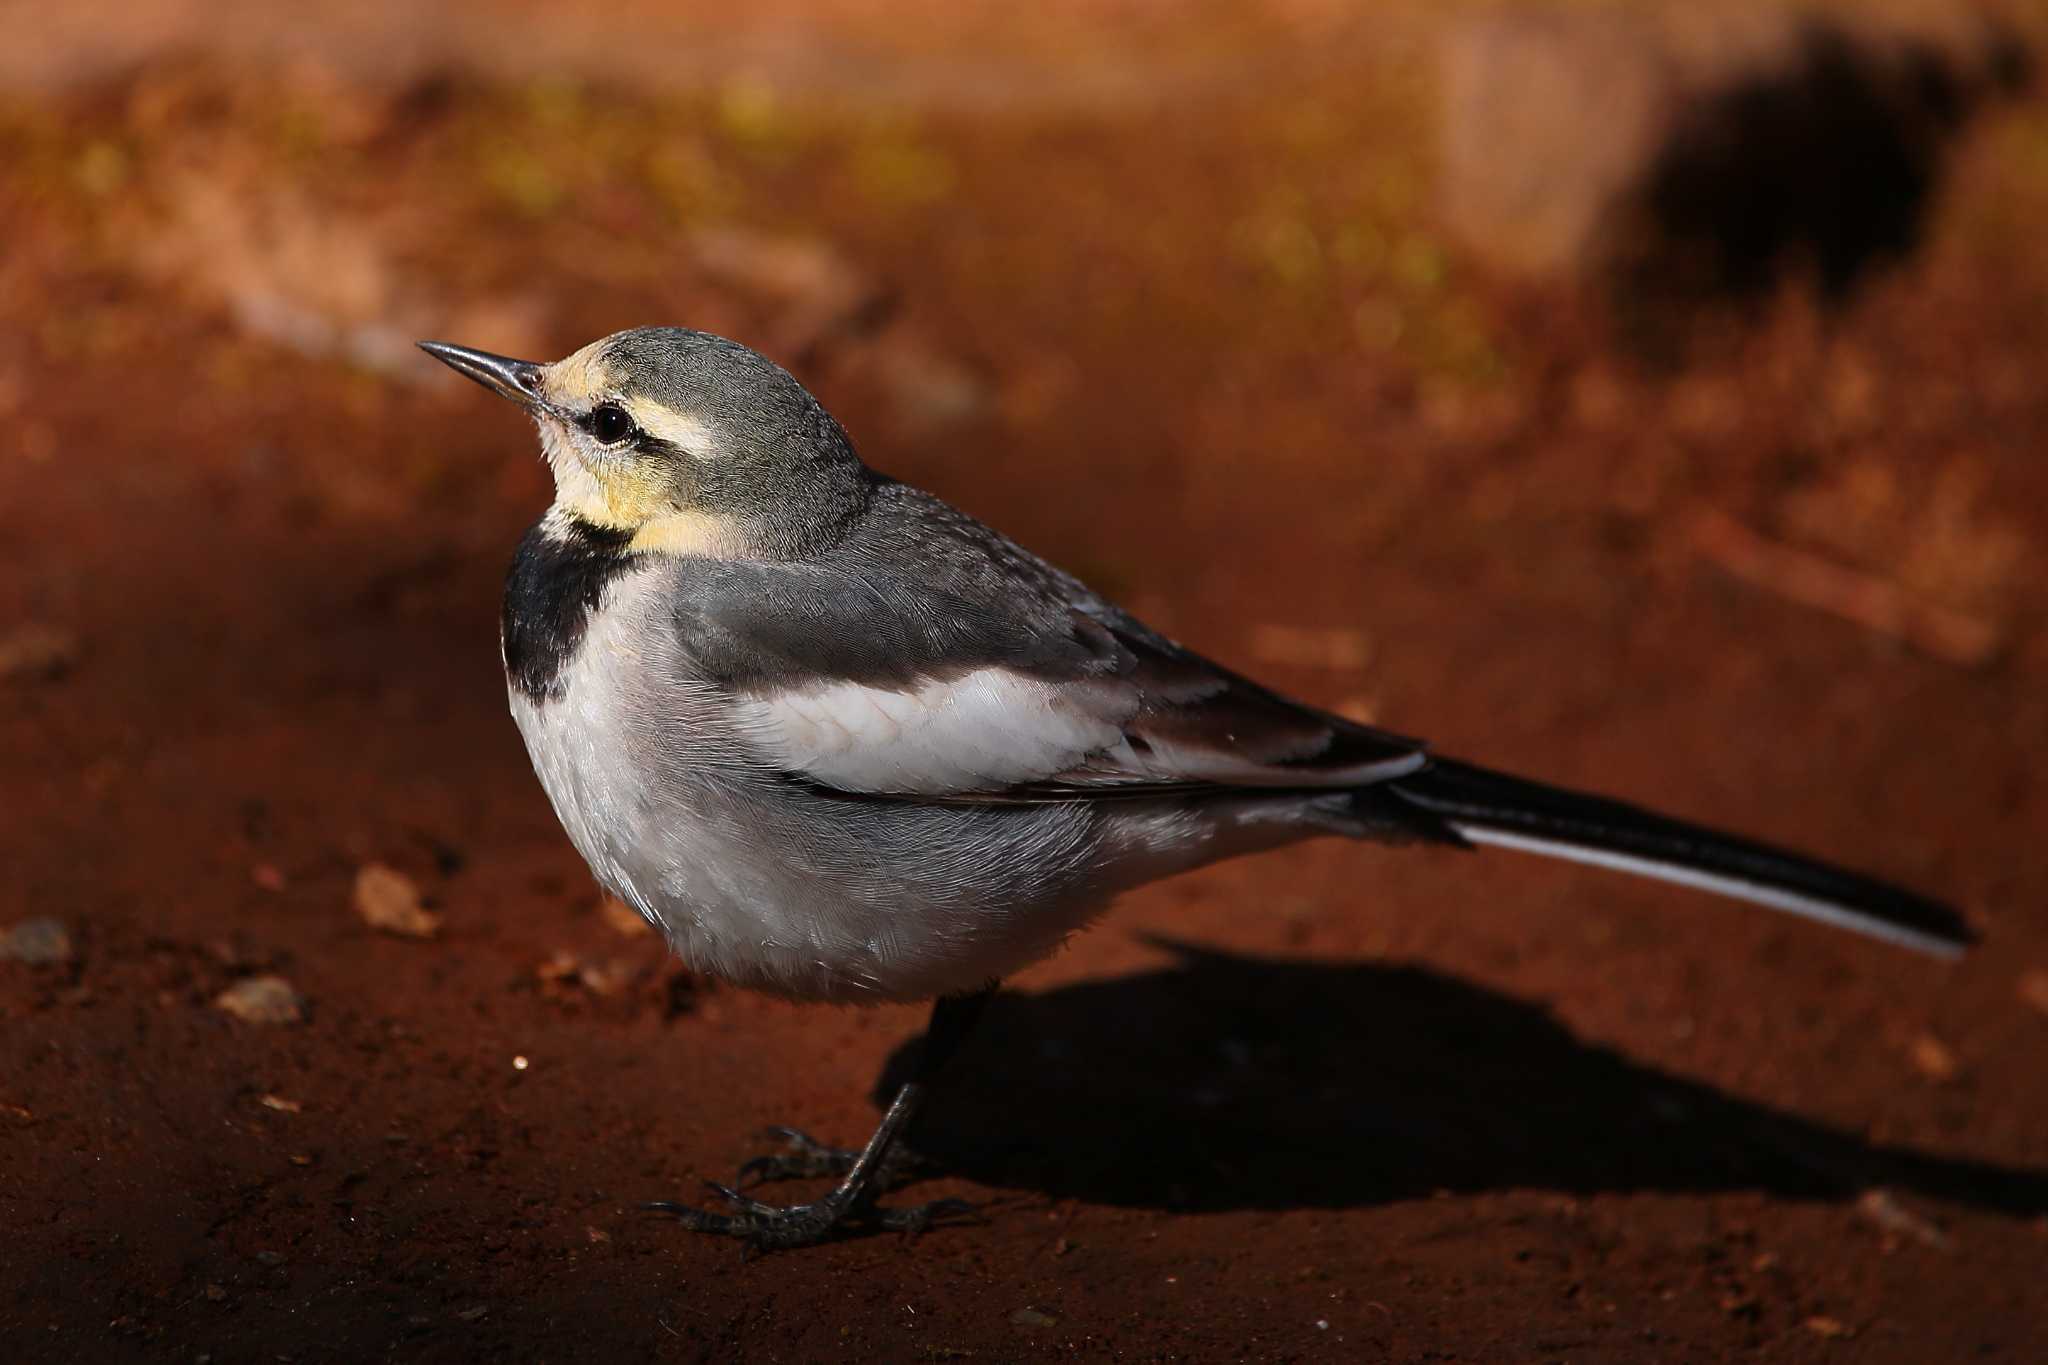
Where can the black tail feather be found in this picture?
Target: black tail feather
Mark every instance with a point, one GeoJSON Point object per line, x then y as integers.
{"type": "Point", "coordinates": [1493, 808]}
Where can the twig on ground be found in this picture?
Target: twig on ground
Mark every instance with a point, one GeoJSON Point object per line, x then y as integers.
{"type": "Point", "coordinates": [1868, 601]}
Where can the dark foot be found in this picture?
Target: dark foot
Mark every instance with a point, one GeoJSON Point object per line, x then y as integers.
{"type": "Point", "coordinates": [851, 1203]}
{"type": "Point", "coordinates": [805, 1158]}
{"type": "Point", "coordinates": [769, 1227]}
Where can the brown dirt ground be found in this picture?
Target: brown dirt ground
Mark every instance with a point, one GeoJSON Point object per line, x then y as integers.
{"type": "Point", "coordinates": [1336, 1103]}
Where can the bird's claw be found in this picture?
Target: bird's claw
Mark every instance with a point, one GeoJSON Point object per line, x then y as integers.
{"type": "Point", "coordinates": [803, 1157]}
{"type": "Point", "coordinates": [916, 1218]}
{"type": "Point", "coordinates": [770, 1227]}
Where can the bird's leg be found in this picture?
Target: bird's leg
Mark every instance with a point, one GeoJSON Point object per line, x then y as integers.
{"type": "Point", "coordinates": [803, 1157]}
{"type": "Point", "coordinates": [864, 1175]}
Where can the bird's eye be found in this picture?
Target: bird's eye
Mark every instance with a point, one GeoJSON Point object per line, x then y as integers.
{"type": "Point", "coordinates": [610, 423]}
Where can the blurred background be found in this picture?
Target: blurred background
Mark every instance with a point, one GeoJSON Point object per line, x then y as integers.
{"type": "Point", "coordinates": [1645, 395]}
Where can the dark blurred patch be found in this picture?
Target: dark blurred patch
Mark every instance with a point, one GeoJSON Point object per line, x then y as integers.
{"type": "Point", "coordinates": [1824, 168]}
{"type": "Point", "coordinates": [1231, 1083]}
{"type": "Point", "coordinates": [1682, 159]}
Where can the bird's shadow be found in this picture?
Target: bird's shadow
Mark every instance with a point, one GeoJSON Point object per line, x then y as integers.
{"type": "Point", "coordinates": [1229, 1082]}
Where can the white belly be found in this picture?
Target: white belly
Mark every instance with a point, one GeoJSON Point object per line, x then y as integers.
{"type": "Point", "coordinates": [780, 886]}
{"type": "Point", "coordinates": [773, 886]}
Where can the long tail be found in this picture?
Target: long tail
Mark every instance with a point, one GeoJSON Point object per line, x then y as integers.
{"type": "Point", "coordinates": [1487, 807]}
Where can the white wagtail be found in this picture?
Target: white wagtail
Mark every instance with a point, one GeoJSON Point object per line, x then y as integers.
{"type": "Point", "coordinates": [840, 741]}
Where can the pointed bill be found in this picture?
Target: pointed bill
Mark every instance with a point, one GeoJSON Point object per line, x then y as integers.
{"type": "Point", "coordinates": [518, 380]}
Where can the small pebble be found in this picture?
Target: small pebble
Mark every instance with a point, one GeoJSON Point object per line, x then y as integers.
{"type": "Point", "coordinates": [623, 918]}
{"type": "Point", "coordinates": [1833, 1329]}
{"type": "Point", "coordinates": [263, 1000]}
{"type": "Point", "coordinates": [1884, 1210]}
{"type": "Point", "coordinates": [389, 900]}
{"type": "Point", "coordinates": [565, 972]}
{"type": "Point", "coordinates": [1033, 1317]}
{"type": "Point", "coordinates": [1932, 1058]}
{"type": "Point", "coordinates": [36, 651]}
{"type": "Point", "coordinates": [2034, 989]}
{"type": "Point", "coordinates": [1342, 649]}
{"type": "Point", "coordinates": [41, 941]}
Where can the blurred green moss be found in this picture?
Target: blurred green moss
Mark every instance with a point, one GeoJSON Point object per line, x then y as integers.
{"type": "Point", "coordinates": [895, 171]}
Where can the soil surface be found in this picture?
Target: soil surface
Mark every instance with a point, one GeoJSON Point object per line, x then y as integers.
{"type": "Point", "coordinates": [1200, 342]}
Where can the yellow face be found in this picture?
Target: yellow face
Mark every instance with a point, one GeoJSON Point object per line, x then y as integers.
{"type": "Point", "coordinates": [620, 485]}
{"type": "Point", "coordinates": [688, 443]}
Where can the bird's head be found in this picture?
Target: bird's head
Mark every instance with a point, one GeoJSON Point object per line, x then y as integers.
{"type": "Point", "coordinates": [683, 441]}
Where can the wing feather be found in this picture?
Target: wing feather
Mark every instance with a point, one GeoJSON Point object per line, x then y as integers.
{"type": "Point", "coordinates": [1154, 721]}
{"type": "Point", "coordinates": [928, 657]}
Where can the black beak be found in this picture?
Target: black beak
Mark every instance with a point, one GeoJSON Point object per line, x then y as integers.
{"type": "Point", "coordinates": [518, 380]}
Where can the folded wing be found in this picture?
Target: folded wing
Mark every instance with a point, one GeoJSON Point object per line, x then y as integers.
{"type": "Point", "coordinates": [1000, 734]}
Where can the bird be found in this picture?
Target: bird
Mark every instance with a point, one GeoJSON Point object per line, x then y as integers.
{"type": "Point", "coordinates": [839, 741]}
